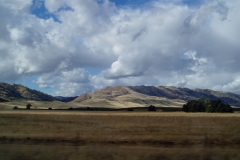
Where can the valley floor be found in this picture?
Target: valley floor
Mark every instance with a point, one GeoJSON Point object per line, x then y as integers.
{"type": "Point", "coordinates": [118, 135]}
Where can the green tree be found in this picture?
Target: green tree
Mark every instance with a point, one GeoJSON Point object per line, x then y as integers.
{"type": "Point", "coordinates": [28, 106]}
{"type": "Point", "coordinates": [204, 101]}
{"type": "Point", "coordinates": [207, 105]}
{"type": "Point", "coordinates": [210, 109]}
{"type": "Point", "coordinates": [151, 108]}
{"type": "Point", "coordinates": [194, 106]}
{"type": "Point", "coordinates": [15, 107]}
{"type": "Point", "coordinates": [185, 108]}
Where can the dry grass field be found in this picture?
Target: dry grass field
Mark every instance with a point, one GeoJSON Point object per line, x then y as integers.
{"type": "Point", "coordinates": [118, 135]}
{"type": "Point", "coordinates": [98, 103]}
{"type": "Point", "coordinates": [38, 105]}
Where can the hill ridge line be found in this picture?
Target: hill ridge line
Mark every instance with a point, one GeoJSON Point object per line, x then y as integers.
{"type": "Point", "coordinates": [143, 94]}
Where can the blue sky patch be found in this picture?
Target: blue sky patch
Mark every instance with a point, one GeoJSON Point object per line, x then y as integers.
{"type": "Point", "coordinates": [38, 6]}
{"type": "Point", "coordinates": [193, 3]}
{"type": "Point", "coordinates": [131, 3]}
{"type": "Point", "coordinates": [38, 9]}
{"type": "Point", "coordinates": [134, 3]}
{"type": "Point", "coordinates": [93, 70]}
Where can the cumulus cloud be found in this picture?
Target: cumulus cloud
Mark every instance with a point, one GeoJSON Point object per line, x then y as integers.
{"type": "Point", "coordinates": [76, 75]}
{"type": "Point", "coordinates": [159, 43]}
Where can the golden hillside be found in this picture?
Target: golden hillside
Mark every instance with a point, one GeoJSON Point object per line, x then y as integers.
{"type": "Point", "coordinates": [123, 97]}
{"type": "Point", "coordinates": [143, 96]}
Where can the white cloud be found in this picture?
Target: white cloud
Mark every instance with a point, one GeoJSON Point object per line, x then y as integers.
{"type": "Point", "coordinates": [76, 76]}
{"type": "Point", "coordinates": [232, 86]}
{"type": "Point", "coordinates": [159, 43]}
{"type": "Point", "coordinates": [16, 4]}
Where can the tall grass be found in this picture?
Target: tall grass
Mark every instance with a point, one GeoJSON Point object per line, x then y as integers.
{"type": "Point", "coordinates": [118, 135]}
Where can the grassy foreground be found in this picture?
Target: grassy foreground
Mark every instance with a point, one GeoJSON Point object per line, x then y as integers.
{"type": "Point", "coordinates": [118, 135]}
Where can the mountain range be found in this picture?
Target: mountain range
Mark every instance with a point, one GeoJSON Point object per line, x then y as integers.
{"type": "Point", "coordinates": [15, 92]}
{"type": "Point", "coordinates": [126, 96]}
{"type": "Point", "coordinates": [122, 96]}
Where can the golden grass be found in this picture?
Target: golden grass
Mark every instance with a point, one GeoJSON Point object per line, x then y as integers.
{"type": "Point", "coordinates": [118, 135]}
{"type": "Point", "coordinates": [133, 100]}
{"type": "Point", "coordinates": [62, 152]}
{"type": "Point", "coordinates": [123, 97]}
{"type": "Point", "coordinates": [39, 105]}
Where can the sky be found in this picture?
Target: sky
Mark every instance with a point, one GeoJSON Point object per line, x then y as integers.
{"type": "Point", "coordinates": [70, 47]}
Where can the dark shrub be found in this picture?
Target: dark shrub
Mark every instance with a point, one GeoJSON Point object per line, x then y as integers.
{"type": "Point", "coordinates": [15, 107]}
{"type": "Point", "coordinates": [130, 109]}
{"type": "Point", "coordinates": [207, 105]}
{"type": "Point", "coordinates": [70, 108]}
{"type": "Point", "coordinates": [28, 106]}
{"type": "Point", "coordinates": [50, 108]}
{"type": "Point", "coordinates": [151, 108]}
{"type": "Point", "coordinates": [89, 109]}
{"type": "Point", "coordinates": [185, 108]}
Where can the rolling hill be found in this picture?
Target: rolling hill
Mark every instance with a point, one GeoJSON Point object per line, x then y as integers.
{"type": "Point", "coordinates": [142, 96]}
{"type": "Point", "coordinates": [15, 92]}
{"type": "Point", "coordinates": [121, 96]}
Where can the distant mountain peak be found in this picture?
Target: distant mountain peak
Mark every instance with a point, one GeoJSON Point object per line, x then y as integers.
{"type": "Point", "coordinates": [105, 93]}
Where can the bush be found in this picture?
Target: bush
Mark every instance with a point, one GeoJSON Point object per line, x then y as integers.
{"type": "Point", "coordinates": [70, 108]}
{"type": "Point", "coordinates": [28, 106]}
{"type": "Point", "coordinates": [89, 109]}
{"type": "Point", "coordinates": [15, 107]}
{"type": "Point", "coordinates": [151, 108]}
{"type": "Point", "coordinates": [50, 108]}
{"type": "Point", "coordinates": [194, 106]}
{"type": "Point", "coordinates": [130, 109]}
{"type": "Point", "coordinates": [207, 105]}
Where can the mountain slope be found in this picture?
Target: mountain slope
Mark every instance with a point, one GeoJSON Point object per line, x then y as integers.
{"type": "Point", "coordinates": [10, 92]}
{"type": "Point", "coordinates": [137, 96]}
{"type": "Point", "coordinates": [107, 93]}
{"type": "Point", "coordinates": [186, 94]}
{"type": "Point", "coordinates": [123, 97]}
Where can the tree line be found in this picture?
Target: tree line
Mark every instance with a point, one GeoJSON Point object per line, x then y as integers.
{"type": "Point", "coordinates": [207, 105]}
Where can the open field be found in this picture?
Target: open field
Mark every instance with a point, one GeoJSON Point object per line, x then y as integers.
{"type": "Point", "coordinates": [38, 105]}
{"type": "Point", "coordinates": [133, 100]}
{"type": "Point", "coordinates": [57, 105]}
{"type": "Point", "coordinates": [118, 135]}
